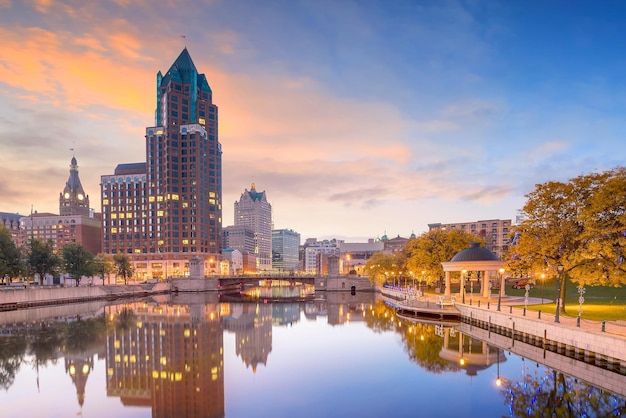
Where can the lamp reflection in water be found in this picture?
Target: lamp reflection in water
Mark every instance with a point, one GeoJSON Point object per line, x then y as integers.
{"type": "Point", "coordinates": [498, 380]}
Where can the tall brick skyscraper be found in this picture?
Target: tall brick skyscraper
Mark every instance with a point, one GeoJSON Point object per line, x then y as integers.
{"type": "Point", "coordinates": [177, 213]}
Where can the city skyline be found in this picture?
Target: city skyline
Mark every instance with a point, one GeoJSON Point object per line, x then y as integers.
{"type": "Point", "coordinates": [358, 119]}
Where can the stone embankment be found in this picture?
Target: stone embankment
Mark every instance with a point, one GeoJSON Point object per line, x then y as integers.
{"type": "Point", "coordinates": [33, 296]}
{"type": "Point", "coordinates": [602, 338]}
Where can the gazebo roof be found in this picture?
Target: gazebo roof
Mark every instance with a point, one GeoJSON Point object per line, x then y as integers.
{"type": "Point", "coordinates": [474, 253]}
{"type": "Point", "coordinates": [474, 258]}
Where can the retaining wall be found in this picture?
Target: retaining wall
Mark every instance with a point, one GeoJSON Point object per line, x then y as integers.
{"type": "Point", "coordinates": [585, 339]}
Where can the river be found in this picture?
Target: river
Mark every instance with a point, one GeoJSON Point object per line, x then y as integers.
{"type": "Point", "coordinates": [335, 355]}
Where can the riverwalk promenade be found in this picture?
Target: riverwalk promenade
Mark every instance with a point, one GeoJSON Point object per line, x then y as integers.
{"type": "Point", "coordinates": [605, 340]}
{"type": "Point", "coordinates": [509, 305]}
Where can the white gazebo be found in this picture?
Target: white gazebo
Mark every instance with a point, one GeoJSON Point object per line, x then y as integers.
{"type": "Point", "coordinates": [474, 259]}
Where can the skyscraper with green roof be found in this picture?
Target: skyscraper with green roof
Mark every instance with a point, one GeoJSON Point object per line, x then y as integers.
{"type": "Point", "coordinates": [178, 214]}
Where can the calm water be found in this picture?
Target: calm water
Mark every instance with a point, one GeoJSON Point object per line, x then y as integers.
{"type": "Point", "coordinates": [204, 356]}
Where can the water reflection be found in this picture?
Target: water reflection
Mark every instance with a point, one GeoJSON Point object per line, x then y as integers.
{"type": "Point", "coordinates": [169, 357]}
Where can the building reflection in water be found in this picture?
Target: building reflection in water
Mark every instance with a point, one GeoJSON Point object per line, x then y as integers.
{"type": "Point", "coordinates": [252, 325]}
{"type": "Point", "coordinates": [167, 357]}
{"type": "Point", "coordinates": [79, 367]}
{"type": "Point", "coordinates": [468, 353]}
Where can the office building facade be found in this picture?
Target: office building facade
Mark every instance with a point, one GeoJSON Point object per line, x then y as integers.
{"type": "Point", "coordinates": [495, 232]}
{"type": "Point", "coordinates": [180, 214]}
{"type": "Point", "coordinates": [254, 212]}
{"type": "Point", "coordinates": [285, 247]}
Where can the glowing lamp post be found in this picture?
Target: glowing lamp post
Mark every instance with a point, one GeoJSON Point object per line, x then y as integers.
{"type": "Point", "coordinates": [559, 269]}
{"type": "Point", "coordinates": [501, 271]}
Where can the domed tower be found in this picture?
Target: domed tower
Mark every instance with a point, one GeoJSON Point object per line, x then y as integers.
{"type": "Point", "coordinates": [73, 200]}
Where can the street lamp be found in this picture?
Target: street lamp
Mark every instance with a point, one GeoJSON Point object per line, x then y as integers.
{"type": "Point", "coordinates": [543, 281]}
{"type": "Point", "coordinates": [559, 269]}
{"type": "Point", "coordinates": [501, 271]}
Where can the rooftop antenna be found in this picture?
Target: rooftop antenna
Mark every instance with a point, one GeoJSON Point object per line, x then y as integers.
{"type": "Point", "coordinates": [184, 40]}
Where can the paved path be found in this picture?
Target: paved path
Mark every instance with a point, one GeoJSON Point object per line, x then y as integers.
{"type": "Point", "coordinates": [508, 303]}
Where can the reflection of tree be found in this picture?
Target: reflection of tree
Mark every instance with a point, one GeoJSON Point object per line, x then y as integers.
{"type": "Point", "coordinates": [421, 342]}
{"type": "Point", "coordinates": [545, 393]}
{"type": "Point", "coordinates": [81, 334]}
{"type": "Point", "coordinates": [125, 319]}
{"type": "Point", "coordinates": [46, 342]}
{"type": "Point", "coordinates": [11, 357]}
{"type": "Point", "coordinates": [381, 318]}
{"type": "Point", "coordinates": [423, 346]}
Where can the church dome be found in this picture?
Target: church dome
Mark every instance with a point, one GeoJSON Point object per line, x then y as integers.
{"type": "Point", "coordinates": [475, 253]}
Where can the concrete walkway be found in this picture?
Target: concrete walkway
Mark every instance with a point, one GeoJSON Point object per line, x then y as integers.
{"type": "Point", "coordinates": [507, 305]}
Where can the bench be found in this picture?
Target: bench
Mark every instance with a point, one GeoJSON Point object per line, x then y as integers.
{"type": "Point", "coordinates": [446, 302]}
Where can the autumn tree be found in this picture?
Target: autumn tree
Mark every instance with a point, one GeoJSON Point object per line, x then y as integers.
{"type": "Point", "coordinates": [381, 267]}
{"type": "Point", "coordinates": [103, 266]}
{"type": "Point", "coordinates": [41, 259]}
{"type": "Point", "coordinates": [123, 266]}
{"type": "Point", "coordinates": [601, 258]}
{"type": "Point", "coordinates": [426, 252]}
{"type": "Point", "coordinates": [10, 257]}
{"type": "Point", "coordinates": [579, 225]}
{"type": "Point", "coordinates": [77, 261]}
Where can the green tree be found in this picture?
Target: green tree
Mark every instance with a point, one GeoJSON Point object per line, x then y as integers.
{"type": "Point", "coordinates": [580, 225]}
{"type": "Point", "coordinates": [10, 257]}
{"type": "Point", "coordinates": [41, 258]}
{"type": "Point", "coordinates": [426, 252]}
{"type": "Point", "coordinates": [123, 266]}
{"type": "Point", "coordinates": [77, 261]}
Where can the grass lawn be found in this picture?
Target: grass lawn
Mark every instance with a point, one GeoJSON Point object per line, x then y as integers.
{"type": "Point", "coordinates": [601, 302]}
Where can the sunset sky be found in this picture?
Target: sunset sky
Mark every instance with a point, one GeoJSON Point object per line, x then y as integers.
{"type": "Point", "coordinates": [357, 118]}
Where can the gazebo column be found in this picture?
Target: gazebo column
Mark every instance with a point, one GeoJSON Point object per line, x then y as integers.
{"type": "Point", "coordinates": [484, 284]}
{"type": "Point", "coordinates": [447, 291]}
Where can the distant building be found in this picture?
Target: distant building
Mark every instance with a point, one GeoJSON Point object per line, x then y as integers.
{"type": "Point", "coordinates": [169, 209]}
{"type": "Point", "coordinates": [315, 254]}
{"type": "Point", "coordinates": [495, 232]}
{"type": "Point", "coordinates": [239, 237]}
{"type": "Point", "coordinates": [249, 263]}
{"type": "Point", "coordinates": [254, 212]}
{"type": "Point", "coordinates": [73, 200]}
{"type": "Point", "coordinates": [232, 262]}
{"type": "Point", "coordinates": [356, 254]}
{"type": "Point", "coordinates": [11, 221]}
{"type": "Point", "coordinates": [124, 204]}
{"type": "Point", "coordinates": [285, 246]}
{"type": "Point", "coordinates": [76, 224]}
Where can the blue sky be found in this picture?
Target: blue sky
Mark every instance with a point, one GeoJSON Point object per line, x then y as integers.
{"type": "Point", "coordinates": [357, 118]}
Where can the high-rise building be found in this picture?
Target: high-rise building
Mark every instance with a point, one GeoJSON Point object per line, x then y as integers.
{"type": "Point", "coordinates": [254, 212]}
{"type": "Point", "coordinates": [180, 215]}
{"type": "Point", "coordinates": [285, 246]}
{"type": "Point", "coordinates": [239, 237]}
